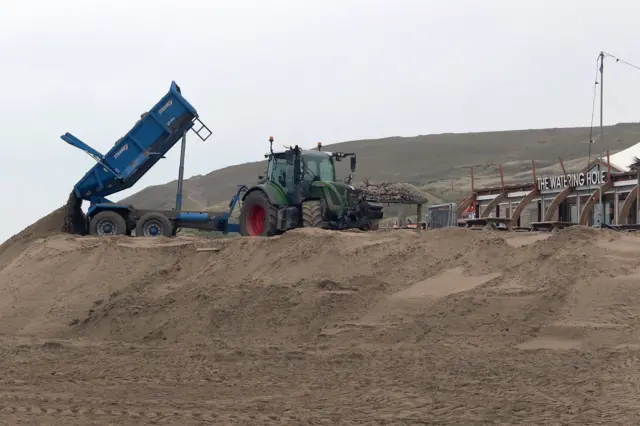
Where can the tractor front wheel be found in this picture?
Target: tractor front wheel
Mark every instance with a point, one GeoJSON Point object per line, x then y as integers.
{"type": "Point", "coordinates": [258, 217]}
{"type": "Point", "coordinates": [312, 214]}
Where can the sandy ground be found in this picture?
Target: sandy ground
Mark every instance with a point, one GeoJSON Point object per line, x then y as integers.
{"type": "Point", "coordinates": [441, 327]}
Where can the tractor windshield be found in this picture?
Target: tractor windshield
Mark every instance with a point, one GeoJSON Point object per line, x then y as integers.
{"type": "Point", "coordinates": [319, 167]}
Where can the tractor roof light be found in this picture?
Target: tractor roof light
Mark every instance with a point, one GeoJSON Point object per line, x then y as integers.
{"type": "Point", "coordinates": [271, 144]}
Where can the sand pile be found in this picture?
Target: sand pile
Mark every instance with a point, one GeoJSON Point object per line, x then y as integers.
{"type": "Point", "coordinates": [277, 289]}
{"type": "Point", "coordinates": [69, 219]}
{"type": "Point", "coordinates": [47, 226]}
{"type": "Point", "coordinates": [313, 285]}
{"type": "Point", "coordinates": [448, 327]}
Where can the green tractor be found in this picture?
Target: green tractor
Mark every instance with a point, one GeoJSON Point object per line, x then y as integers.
{"type": "Point", "coordinates": [300, 190]}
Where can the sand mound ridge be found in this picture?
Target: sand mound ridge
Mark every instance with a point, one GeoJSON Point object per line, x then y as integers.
{"type": "Point", "coordinates": [47, 226]}
{"type": "Point", "coordinates": [306, 285]}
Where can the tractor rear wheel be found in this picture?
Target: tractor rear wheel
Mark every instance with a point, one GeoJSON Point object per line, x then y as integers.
{"type": "Point", "coordinates": [312, 214]}
{"type": "Point", "coordinates": [258, 217]}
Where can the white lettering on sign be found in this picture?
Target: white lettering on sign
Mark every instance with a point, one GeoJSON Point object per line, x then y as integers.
{"type": "Point", "coordinates": [165, 106]}
{"type": "Point", "coordinates": [120, 151]}
{"type": "Point", "coordinates": [593, 177]}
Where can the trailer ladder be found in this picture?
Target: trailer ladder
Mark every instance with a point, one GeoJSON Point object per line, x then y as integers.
{"type": "Point", "coordinates": [202, 127]}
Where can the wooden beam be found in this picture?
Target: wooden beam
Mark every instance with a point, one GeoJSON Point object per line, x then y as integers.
{"type": "Point", "coordinates": [588, 206]}
{"type": "Point", "coordinates": [473, 182]}
{"type": "Point", "coordinates": [525, 201]}
{"type": "Point", "coordinates": [207, 249]}
{"type": "Point", "coordinates": [548, 215]}
{"type": "Point", "coordinates": [562, 165]}
{"type": "Point", "coordinates": [471, 199]}
{"type": "Point", "coordinates": [492, 205]}
{"type": "Point", "coordinates": [623, 216]}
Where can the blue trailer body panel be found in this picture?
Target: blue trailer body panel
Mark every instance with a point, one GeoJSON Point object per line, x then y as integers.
{"type": "Point", "coordinates": [95, 208]}
{"type": "Point", "coordinates": [139, 150]}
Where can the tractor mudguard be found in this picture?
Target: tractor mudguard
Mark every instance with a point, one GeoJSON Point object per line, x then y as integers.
{"type": "Point", "coordinates": [329, 192]}
{"type": "Point", "coordinates": [276, 196]}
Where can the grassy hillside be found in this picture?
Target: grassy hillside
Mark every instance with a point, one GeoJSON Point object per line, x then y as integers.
{"type": "Point", "coordinates": [437, 163]}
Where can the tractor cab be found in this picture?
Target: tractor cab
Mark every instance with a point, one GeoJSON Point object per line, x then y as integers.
{"type": "Point", "coordinates": [313, 166]}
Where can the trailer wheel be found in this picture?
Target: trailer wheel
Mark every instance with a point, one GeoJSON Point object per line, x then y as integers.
{"type": "Point", "coordinates": [154, 225]}
{"type": "Point", "coordinates": [258, 216]}
{"type": "Point", "coordinates": [312, 214]}
{"type": "Point", "coordinates": [107, 223]}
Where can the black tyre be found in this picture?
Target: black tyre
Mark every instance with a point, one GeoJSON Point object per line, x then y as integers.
{"type": "Point", "coordinates": [107, 223]}
{"type": "Point", "coordinates": [258, 217]}
{"type": "Point", "coordinates": [154, 225]}
{"type": "Point", "coordinates": [312, 214]}
{"type": "Point", "coordinates": [371, 225]}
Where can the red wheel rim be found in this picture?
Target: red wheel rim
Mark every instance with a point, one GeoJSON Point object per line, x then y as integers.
{"type": "Point", "coordinates": [255, 220]}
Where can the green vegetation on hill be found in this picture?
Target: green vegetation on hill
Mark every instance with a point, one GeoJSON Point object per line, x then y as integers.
{"type": "Point", "coordinates": [438, 164]}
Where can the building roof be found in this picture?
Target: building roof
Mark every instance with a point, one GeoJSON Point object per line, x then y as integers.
{"type": "Point", "coordinates": [623, 159]}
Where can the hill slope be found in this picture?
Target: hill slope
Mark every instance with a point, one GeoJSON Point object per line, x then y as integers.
{"type": "Point", "coordinates": [438, 161]}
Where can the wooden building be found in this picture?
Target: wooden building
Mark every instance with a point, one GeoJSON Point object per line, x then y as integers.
{"type": "Point", "coordinates": [604, 192]}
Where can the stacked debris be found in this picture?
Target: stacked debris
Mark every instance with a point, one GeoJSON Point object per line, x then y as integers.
{"type": "Point", "coordinates": [75, 221]}
{"type": "Point", "coordinates": [393, 193]}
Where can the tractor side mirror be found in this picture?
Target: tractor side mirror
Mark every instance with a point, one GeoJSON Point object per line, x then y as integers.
{"type": "Point", "coordinates": [353, 164]}
{"type": "Point", "coordinates": [261, 177]}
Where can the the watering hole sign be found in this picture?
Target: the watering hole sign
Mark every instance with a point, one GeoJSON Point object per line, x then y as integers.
{"type": "Point", "coordinates": [592, 177]}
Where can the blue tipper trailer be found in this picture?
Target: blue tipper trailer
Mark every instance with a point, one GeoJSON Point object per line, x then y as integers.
{"type": "Point", "coordinates": [129, 159]}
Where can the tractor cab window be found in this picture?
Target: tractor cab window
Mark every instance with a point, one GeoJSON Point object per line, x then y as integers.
{"type": "Point", "coordinates": [319, 168]}
{"type": "Point", "coordinates": [277, 171]}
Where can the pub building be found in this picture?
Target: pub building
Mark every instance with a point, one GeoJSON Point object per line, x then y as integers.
{"type": "Point", "coordinates": [604, 192]}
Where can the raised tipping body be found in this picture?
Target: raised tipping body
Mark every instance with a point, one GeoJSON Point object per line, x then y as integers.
{"type": "Point", "coordinates": [136, 152]}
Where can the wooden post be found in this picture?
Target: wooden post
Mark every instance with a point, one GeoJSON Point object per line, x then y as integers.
{"type": "Point", "coordinates": [533, 166]}
{"type": "Point", "coordinates": [419, 213]}
{"type": "Point", "coordinates": [562, 165]}
{"type": "Point", "coordinates": [402, 215]}
{"type": "Point", "coordinates": [473, 185]}
{"type": "Point", "coordinates": [608, 167]}
{"type": "Point", "coordinates": [501, 177]}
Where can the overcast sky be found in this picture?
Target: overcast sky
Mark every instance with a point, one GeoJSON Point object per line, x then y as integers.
{"type": "Point", "coordinates": [301, 70]}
